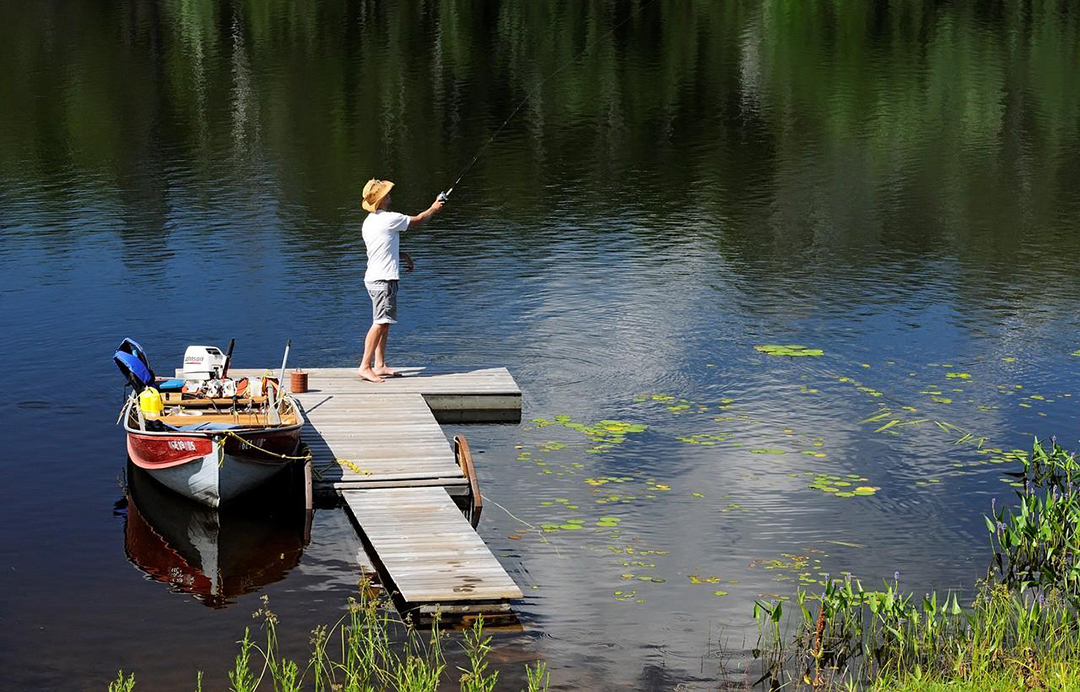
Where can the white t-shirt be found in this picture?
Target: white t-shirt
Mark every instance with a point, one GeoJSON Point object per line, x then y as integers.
{"type": "Point", "coordinates": [381, 232]}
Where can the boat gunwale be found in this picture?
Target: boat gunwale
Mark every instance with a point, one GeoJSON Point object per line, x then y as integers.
{"type": "Point", "coordinates": [128, 414]}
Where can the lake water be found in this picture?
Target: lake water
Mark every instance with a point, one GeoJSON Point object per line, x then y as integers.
{"type": "Point", "coordinates": [894, 183]}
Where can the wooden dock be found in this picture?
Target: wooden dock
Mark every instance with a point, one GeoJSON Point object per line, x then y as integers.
{"type": "Point", "coordinates": [380, 448]}
{"type": "Point", "coordinates": [428, 546]}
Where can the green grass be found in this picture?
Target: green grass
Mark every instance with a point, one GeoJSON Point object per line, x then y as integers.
{"type": "Point", "coordinates": [1020, 630]}
{"type": "Point", "coordinates": [360, 653]}
{"type": "Point", "coordinates": [1053, 676]}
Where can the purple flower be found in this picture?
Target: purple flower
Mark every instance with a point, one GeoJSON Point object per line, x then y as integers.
{"type": "Point", "coordinates": [896, 575]}
{"type": "Point", "coordinates": [993, 505]}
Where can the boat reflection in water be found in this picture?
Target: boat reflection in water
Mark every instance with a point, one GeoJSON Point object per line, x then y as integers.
{"type": "Point", "coordinates": [214, 555]}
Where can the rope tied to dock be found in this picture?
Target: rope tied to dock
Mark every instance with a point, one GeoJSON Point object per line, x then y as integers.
{"type": "Point", "coordinates": [249, 443]}
{"type": "Point", "coordinates": [353, 466]}
{"type": "Point", "coordinates": [316, 471]}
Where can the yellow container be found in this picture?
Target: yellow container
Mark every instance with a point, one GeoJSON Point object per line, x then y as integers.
{"type": "Point", "coordinates": [150, 402]}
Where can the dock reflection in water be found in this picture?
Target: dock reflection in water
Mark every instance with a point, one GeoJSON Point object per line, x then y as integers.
{"type": "Point", "coordinates": [214, 555]}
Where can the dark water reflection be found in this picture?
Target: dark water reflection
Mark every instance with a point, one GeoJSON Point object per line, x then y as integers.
{"type": "Point", "coordinates": [893, 183]}
{"type": "Point", "coordinates": [216, 556]}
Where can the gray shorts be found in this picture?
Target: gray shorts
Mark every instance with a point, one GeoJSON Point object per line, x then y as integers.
{"type": "Point", "coordinates": [383, 301]}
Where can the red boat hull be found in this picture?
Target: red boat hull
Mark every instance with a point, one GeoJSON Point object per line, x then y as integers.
{"type": "Point", "coordinates": [214, 466]}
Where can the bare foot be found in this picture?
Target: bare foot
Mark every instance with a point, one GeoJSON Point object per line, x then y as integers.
{"type": "Point", "coordinates": [386, 371]}
{"type": "Point", "coordinates": [369, 375]}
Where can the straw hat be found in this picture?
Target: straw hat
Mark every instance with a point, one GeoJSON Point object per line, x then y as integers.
{"type": "Point", "coordinates": [374, 192]}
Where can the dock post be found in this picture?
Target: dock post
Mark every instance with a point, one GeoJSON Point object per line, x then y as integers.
{"type": "Point", "coordinates": [308, 503]}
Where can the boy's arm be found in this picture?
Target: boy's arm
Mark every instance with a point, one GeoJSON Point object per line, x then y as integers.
{"type": "Point", "coordinates": [423, 216]}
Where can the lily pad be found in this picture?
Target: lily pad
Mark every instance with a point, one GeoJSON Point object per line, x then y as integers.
{"type": "Point", "coordinates": [791, 350]}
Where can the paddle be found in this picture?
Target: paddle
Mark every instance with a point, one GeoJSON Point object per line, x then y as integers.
{"type": "Point", "coordinates": [274, 416]}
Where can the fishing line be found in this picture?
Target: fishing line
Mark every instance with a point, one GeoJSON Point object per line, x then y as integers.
{"type": "Point", "coordinates": [443, 195]}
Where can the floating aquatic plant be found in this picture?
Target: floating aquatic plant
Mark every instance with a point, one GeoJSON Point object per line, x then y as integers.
{"type": "Point", "coordinates": [695, 579]}
{"type": "Point", "coordinates": [792, 350]}
{"type": "Point", "coordinates": [840, 486]}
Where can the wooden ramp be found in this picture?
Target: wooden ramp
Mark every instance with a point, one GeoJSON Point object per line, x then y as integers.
{"type": "Point", "coordinates": [428, 548]}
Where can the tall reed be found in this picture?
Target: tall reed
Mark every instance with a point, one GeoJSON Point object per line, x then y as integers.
{"type": "Point", "coordinates": [360, 653]}
{"type": "Point", "coordinates": [1020, 628]}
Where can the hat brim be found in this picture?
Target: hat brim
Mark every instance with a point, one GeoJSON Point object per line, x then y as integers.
{"type": "Point", "coordinates": [372, 206]}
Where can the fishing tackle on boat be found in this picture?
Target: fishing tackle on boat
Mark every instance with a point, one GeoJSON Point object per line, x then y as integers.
{"type": "Point", "coordinates": [205, 435]}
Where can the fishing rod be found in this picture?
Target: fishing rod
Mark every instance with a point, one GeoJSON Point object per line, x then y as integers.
{"type": "Point", "coordinates": [445, 195]}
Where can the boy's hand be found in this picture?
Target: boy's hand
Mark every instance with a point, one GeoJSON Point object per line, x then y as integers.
{"type": "Point", "coordinates": [409, 264]}
{"type": "Point", "coordinates": [423, 216]}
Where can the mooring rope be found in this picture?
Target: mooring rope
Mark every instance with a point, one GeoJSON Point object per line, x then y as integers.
{"type": "Point", "coordinates": [230, 433]}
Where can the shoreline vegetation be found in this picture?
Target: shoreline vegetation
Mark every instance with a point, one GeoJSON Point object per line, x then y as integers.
{"type": "Point", "coordinates": [1020, 632]}
{"type": "Point", "coordinates": [360, 653]}
{"type": "Point", "coordinates": [1021, 629]}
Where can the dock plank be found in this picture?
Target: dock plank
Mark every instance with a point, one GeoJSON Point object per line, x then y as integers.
{"type": "Point", "coordinates": [415, 380]}
{"type": "Point", "coordinates": [427, 547]}
{"type": "Point", "coordinates": [486, 395]}
{"type": "Point", "coordinates": [375, 439]}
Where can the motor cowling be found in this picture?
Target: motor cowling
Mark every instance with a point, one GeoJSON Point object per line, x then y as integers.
{"type": "Point", "coordinates": [203, 363]}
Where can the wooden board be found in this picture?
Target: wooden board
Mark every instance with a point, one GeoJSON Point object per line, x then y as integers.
{"type": "Point", "coordinates": [415, 381]}
{"type": "Point", "coordinates": [477, 396]}
{"type": "Point", "coordinates": [357, 439]}
{"type": "Point", "coordinates": [427, 547]}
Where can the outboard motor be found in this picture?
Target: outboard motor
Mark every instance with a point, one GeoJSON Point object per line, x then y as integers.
{"type": "Point", "coordinates": [132, 361]}
{"type": "Point", "coordinates": [205, 362]}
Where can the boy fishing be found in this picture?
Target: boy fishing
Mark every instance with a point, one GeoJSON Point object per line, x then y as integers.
{"type": "Point", "coordinates": [382, 229]}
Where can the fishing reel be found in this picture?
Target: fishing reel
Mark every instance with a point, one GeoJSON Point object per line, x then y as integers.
{"type": "Point", "coordinates": [444, 197]}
